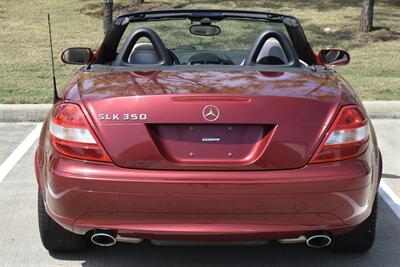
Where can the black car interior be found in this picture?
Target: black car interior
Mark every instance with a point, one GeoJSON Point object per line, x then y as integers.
{"type": "Point", "coordinates": [203, 22]}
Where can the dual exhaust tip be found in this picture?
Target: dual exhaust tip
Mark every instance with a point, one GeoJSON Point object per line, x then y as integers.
{"type": "Point", "coordinates": [106, 238]}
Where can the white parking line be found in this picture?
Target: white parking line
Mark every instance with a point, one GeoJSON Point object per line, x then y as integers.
{"type": "Point", "coordinates": [390, 197]}
{"type": "Point", "coordinates": [19, 152]}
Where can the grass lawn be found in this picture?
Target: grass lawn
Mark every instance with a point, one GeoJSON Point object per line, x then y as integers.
{"type": "Point", "coordinates": [25, 70]}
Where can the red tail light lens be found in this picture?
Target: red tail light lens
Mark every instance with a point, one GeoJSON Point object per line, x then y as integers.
{"type": "Point", "coordinates": [347, 138]}
{"type": "Point", "coordinates": [72, 136]}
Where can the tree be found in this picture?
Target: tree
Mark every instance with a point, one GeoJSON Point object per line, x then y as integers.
{"type": "Point", "coordinates": [107, 15]}
{"type": "Point", "coordinates": [367, 14]}
{"type": "Point", "coordinates": [138, 2]}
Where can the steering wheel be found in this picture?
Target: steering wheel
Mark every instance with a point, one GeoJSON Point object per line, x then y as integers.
{"type": "Point", "coordinates": [290, 52]}
{"type": "Point", "coordinates": [159, 47]}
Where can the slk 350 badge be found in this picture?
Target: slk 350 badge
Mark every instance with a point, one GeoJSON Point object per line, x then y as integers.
{"type": "Point", "coordinates": [122, 117]}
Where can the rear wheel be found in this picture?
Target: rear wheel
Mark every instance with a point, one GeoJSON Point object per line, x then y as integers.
{"type": "Point", "coordinates": [361, 238]}
{"type": "Point", "coordinates": [54, 237]}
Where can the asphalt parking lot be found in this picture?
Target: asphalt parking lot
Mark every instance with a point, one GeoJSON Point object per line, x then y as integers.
{"type": "Point", "coordinates": [20, 244]}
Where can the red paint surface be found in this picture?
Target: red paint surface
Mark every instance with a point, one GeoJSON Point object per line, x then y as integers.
{"type": "Point", "coordinates": [153, 189]}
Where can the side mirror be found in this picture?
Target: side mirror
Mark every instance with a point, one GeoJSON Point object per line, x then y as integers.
{"type": "Point", "coordinates": [76, 55]}
{"type": "Point", "coordinates": [334, 56]}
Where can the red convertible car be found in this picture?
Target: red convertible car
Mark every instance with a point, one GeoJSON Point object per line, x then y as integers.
{"type": "Point", "coordinates": [207, 126]}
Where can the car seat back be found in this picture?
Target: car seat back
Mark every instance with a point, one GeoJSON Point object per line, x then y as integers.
{"type": "Point", "coordinates": [143, 53]}
{"type": "Point", "coordinates": [272, 53]}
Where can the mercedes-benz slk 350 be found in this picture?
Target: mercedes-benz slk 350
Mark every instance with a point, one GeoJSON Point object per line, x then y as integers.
{"type": "Point", "coordinates": [207, 126]}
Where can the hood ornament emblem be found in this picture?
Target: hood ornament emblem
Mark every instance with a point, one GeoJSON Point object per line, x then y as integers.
{"type": "Point", "coordinates": [210, 113]}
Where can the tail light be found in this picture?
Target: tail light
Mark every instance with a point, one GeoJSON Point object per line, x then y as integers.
{"type": "Point", "coordinates": [72, 136]}
{"type": "Point", "coordinates": [347, 138]}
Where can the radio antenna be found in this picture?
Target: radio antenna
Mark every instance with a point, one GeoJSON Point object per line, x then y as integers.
{"type": "Point", "coordinates": [55, 96]}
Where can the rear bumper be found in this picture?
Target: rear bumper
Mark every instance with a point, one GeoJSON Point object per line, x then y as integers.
{"type": "Point", "coordinates": [203, 205]}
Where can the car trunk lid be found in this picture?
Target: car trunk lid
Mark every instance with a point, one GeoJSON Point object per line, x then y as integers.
{"type": "Point", "coordinates": [209, 120]}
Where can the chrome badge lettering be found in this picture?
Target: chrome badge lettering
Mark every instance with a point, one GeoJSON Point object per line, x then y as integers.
{"type": "Point", "coordinates": [122, 117]}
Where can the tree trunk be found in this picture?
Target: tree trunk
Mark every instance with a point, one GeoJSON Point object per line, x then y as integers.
{"type": "Point", "coordinates": [138, 2]}
{"type": "Point", "coordinates": [107, 15]}
{"type": "Point", "coordinates": [367, 14]}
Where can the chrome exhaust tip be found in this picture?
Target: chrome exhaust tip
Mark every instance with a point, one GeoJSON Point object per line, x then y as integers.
{"type": "Point", "coordinates": [103, 238]}
{"type": "Point", "coordinates": [318, 240]}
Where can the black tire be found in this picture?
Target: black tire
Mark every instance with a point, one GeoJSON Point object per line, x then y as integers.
{"type": "Point", "coordinates": [54, 237]}
{"type": "Point", "coordinates": [361, 238]}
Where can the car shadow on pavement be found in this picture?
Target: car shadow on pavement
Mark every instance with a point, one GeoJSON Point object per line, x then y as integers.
{"type": "Point", "coordinates": [385, 252]}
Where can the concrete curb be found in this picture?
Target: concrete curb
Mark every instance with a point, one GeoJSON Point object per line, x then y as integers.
{"type": "Point", "coordinates": [38, 112]}
{"type": "Point", "coordinates": [23, 112]}
{"type": "Point", "coordinates": [383, 109]}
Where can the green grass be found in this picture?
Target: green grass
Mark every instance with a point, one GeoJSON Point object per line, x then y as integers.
{"type": "Point", "coordinates": [25, 75]}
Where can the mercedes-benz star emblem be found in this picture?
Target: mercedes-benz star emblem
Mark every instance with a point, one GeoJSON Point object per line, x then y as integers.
{"type": "Point", "coordinates": [210, 113]}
